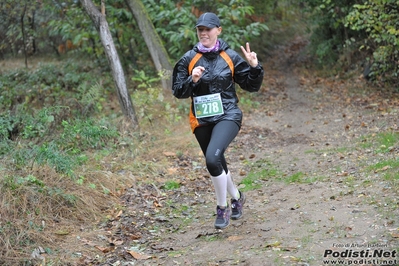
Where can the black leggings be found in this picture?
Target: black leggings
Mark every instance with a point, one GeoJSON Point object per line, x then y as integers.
{"type": "Point", "coordinates": [214, 140]}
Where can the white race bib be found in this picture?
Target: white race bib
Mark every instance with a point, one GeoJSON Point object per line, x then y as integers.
{"type": "Point", "coordinates": [208, 105]}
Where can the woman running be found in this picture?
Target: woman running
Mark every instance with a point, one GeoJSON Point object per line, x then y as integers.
{"type": "Point", "coordinates": [208, 74]}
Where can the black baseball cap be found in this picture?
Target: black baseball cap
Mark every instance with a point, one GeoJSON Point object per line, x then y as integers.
{"type": "Point", "coordinates": [209, 20]}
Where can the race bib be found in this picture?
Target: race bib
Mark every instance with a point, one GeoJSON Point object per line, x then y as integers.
{"type": "Point", "coordinates": [208, 105]}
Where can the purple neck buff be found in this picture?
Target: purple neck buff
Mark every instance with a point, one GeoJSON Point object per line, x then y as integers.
{"type": "Point", "coordinates": [204, 49]}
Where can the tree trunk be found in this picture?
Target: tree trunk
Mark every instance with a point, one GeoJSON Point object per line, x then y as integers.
{"type": "Point", "coordinates": [24, 35]}
{"type": "Point", "coordinates": [112, 55]}
{"type": "Point", "coordinates": [157, 50]}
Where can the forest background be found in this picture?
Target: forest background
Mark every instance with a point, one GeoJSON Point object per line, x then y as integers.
{"type": "Point", "coordinates": [63, 133]}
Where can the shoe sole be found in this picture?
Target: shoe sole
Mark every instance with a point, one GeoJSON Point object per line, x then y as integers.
{"type": "Point", "coordinates": [220, 227]}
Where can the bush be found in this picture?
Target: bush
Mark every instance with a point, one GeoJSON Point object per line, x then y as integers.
{"type": "Point", "coordinates": [35, 128]}
{"type": "Point", "coordinates": [379, 20]}
{"type": "Point", "coordinates": [65, 84]}
{"type": "Point", "coordinates": [357, 31]}
{"type": "Point", "coordinates": [328, 31]}
{"type": "Point", "coordinates": [87, 134]}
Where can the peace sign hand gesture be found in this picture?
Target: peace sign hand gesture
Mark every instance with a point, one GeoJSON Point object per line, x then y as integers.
{"type": "Point", "coordinates": [250, 56]}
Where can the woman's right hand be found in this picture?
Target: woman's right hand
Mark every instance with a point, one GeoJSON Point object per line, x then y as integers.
{"type": "Point", "coordinates": [197, 73]}
{"type": "Point", "coordinates": [250, 56]}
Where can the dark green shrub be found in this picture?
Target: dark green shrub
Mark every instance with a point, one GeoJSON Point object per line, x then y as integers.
{"type": "Point", "coordinates": [379, 19]}
{"type": "Point", "coordinates": [356, 31]}
{"type": "Point", "coordinates": [87, 134]}
{"type": "Point", "coordinates": [327, 26]}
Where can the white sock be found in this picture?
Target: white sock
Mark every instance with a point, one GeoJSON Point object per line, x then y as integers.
{"type": "Point", "coordinates": [231, 188]}
{"type": "Point", "coordinates": [220, 185]}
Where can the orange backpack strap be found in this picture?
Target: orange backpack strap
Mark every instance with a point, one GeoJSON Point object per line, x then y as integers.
{"type": "Point", "coordinates": [193, 120]}
{"type": "Point", "coordinates": [227, 58]}
{"type": "Point", "coordinates": [193, 62]}
{"type": "Point", "coordinates": [223, 54]}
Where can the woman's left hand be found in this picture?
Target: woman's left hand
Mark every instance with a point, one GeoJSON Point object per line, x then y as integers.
{"type": "Point", "coordinates": [250, 56]}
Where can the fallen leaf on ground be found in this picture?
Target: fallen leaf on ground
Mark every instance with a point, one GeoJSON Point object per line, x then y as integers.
{"type": "Point", "coordinates": [275, 244]}
{"type": "Point", "coordinates": [119, 214]}
{"type": "Point", "coordinates": [395, 235]}
{"type": "Point", "coordinates": [138, 256]}
{"type": "Point", "coordinates": [234, 238]}
{"type": "Point", "coordinates": [343, 174]}
{"type": "Point", "coordinates": [62, 232]}
{"type": "Point", "coordinates": [115, 242]}
{"type": "Point", "coordinates": [383, 169]}
{"type": "Point", "coordinates": [104, 249]}
{"type": "Point", "coordinates": [169, 154]}
{"type": "Point", "coordinates": [172, 170]}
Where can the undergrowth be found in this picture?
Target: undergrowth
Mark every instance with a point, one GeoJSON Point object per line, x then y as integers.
{"type": "Point", "coordinates": [66, 154]}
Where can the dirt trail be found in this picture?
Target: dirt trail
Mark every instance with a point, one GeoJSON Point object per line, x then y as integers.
{"type": "Point", "coordinates": [307, 131]}
{"type": "Point", "coordinates": [300, 132]}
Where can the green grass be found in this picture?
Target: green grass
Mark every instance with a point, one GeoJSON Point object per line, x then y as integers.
{"type": "Point", "coordinates": [392, 176]}
{"type": "Point", "coordinates": [384, 165]}
{"type": "Point", "coordinates": [248, 102]}
{"type": "Point", "coordinates": [387, 169]}
{"type": "Point", "coordinates": [381, 142]}
{"type": "Point", "coordinates": [171, 184]}
{"type": "Point", "coordinates": [388, 139]}
{"type": "Point", "coordinates": [264, 170]}
{"type": "Point", "coordinates": [350, 181]}
{"type": "Point", "coordinates": [295, 178]}
{"type": "Point", "coordinates": [253, 180]}
{"type": "Point", "coordinates": [176, 254]}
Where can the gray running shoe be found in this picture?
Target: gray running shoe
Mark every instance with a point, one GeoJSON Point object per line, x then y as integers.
{"type": "Point", "coordinates": [236, 206]}
{"type": "Point", "coordinates": [222, 217]}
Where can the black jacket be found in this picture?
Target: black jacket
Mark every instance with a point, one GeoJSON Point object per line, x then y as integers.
{"type": "Point", "coordinates": [217, 78]}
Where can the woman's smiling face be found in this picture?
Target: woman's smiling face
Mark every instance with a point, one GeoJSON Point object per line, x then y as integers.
{"type": "Point", "coordinates": [208, 36]}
